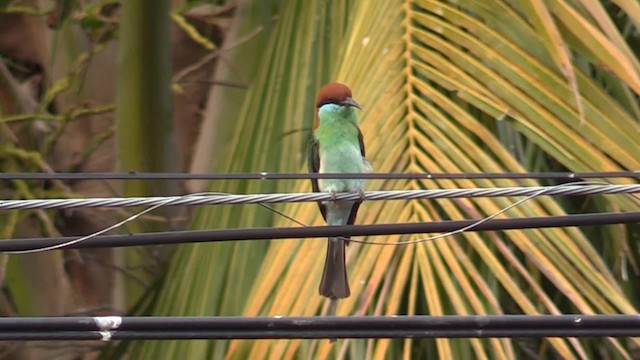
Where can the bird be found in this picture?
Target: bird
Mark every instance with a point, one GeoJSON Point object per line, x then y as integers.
{"type": "Point", "coordinates": [336, 146]}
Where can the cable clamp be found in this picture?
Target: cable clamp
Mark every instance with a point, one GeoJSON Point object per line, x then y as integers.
{"type": "Point", "coordinates": [106, 325]}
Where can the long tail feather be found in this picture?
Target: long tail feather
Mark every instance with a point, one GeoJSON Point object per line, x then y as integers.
{"type": "Point", "coordinates": [334, 283]}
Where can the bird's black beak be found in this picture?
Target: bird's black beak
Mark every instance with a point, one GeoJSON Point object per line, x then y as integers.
{"type": "Point", "coordinates": [350, 102]}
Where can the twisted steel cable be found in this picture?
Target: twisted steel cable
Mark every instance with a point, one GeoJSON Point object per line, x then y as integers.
{"type": "Point", "coordinates": [231, 199]}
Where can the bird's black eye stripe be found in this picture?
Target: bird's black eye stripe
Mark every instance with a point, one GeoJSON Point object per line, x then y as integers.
{"type": "Point", "coordinates": [327, 101]}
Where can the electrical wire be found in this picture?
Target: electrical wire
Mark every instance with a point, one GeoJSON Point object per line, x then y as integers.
{"type": "Point", "coordinates": [199, 236]}
{"type": "Point", "coordinates": [122, 328]}
{"type": "Point", "coordinates": [234, 199]}
{"type": "Point", "coordinates": [326, 327]}
{"type": "Point", "coordinates": [293, 176]}
{"type": "Point", "coordinates": [584, 188]}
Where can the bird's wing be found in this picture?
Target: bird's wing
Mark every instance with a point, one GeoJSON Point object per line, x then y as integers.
{"type": "Point", "coordinates": [356, 204]}
{"type": "Point", "coordinates": [361, 143]}
{"type": "Point", "coordinates": [367, 165]}
{"type": "Point", "coordinates": [313, 162]}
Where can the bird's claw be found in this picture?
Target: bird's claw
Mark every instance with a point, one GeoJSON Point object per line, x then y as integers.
{"type": "Point", "coordinates": [361, 194]}
{"type": "Point", "coordinates": [333, 195]}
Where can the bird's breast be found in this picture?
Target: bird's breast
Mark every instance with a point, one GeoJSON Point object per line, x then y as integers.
{"type": "Point", "coordinates": [341, 157]}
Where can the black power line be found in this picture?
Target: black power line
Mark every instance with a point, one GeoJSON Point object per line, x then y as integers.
{"type": "Point", "coordinates": [570, 176]}
{"type": "Point", "coordinates": [194, 236]}
{"type": "Point", "coordinates": [225, 327]}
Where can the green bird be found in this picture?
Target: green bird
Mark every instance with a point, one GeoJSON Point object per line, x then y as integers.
{"type": "Point", "coordinates": [337, 147]}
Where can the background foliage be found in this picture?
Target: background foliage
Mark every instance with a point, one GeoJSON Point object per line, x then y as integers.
{"type": "Point", "coordinates": [447, 86]}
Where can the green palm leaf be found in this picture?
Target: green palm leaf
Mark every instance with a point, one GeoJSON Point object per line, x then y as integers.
{"type": "Point", "coordinates": [443, 85]}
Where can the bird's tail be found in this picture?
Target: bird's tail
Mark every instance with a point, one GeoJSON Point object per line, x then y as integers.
{"type": "Point", "coordinates": [334, 283]}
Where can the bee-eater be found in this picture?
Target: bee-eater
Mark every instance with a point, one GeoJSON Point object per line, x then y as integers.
{"type": "Point", "coordinates": [337, 147]}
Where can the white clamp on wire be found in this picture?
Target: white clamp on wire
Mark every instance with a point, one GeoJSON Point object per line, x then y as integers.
{"type": "Point", "coordinates": [106, 324]}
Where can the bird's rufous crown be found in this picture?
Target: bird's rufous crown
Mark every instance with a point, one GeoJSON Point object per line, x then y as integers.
{"type": "Point", "coordinates": [333, 93]}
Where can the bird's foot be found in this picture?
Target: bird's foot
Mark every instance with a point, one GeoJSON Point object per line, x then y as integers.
{"type": "Point", "coordinates": [333, 194]}
{"type": "Point", "coordinates": [361, 194]}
